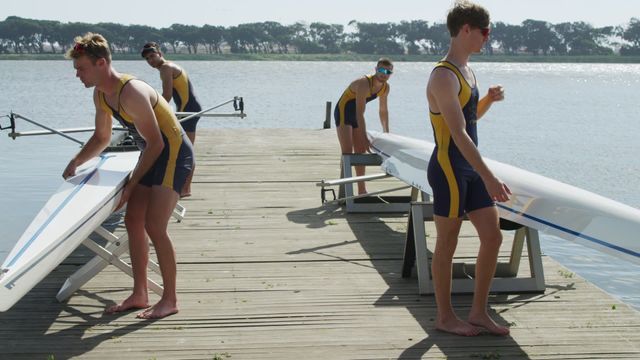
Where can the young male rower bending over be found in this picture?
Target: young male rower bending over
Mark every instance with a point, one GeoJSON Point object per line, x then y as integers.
{"type": "Point", "coordinates": [154, 185]}
{"type": "Point", "coordinates": [349, 112]}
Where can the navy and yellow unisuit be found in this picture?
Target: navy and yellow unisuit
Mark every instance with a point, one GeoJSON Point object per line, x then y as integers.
{"type": "Point", "coordinates": [345, 111]}
{"type": "Point", "coordinates": [176, 160]}
{"type": "Point", "coordinates": [185, 99]}
{"type": "Point", "coordinates": [457, 187]}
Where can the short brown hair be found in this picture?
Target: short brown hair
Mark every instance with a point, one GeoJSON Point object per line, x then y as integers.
{"type": "Point", "coordinates": [466, 12]}
{"type": "Point", "coordinates": [384, 62]}
{"type": "Point", "coordinates": [95, 46]}
{"type": "Point", "coordinates": [149, 48]}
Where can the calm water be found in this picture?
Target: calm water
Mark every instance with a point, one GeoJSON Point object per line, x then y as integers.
{"type": "Point", "coordinates": [577, 123]}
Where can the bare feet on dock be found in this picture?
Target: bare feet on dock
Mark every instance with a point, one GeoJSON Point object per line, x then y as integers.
{"type": "Point", "coordinates": [185, 194]}
{"type": "Point", "coordinates": [132, 302]}
{"type": "Point", "coordinates": [457, 327]}
{"type": "Point", "coordinates": [485, 322]}
{"type": "Point", "coordinates": [158, 311]}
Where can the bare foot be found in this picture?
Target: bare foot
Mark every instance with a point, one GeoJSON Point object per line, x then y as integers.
{"type": "Point", "coordinates": [185, 194]}
{"type": "Point", "coordinates": [132, 302]}
{"type": "Point", "coordinates": [485, 322]}
{"type": "Point", "coordinates": [457, 327]}
{"type": "Point", "coordinates": [159, 310]}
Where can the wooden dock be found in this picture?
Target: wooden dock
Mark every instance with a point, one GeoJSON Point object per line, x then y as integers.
{"type": "Point", "coordinates": [266, 272]}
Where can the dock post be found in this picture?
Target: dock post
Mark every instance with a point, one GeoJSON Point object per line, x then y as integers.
{"type": "Point", "coordinates": [327, 118]}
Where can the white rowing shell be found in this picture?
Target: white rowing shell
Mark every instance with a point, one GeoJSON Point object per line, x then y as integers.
{"type": "Point", "coordinates": [539, 202]}
{"type": "Point", "coordinates": [77, 208]}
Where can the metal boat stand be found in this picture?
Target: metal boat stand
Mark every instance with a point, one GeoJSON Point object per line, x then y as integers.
{"type": "Point", "coordinates": [105, 255]}
{"type": "Point", "coordinates": [373, 202]}
{"type": "Point", "coordinates": [506, 278]}
{"type": "Point", "coordinates": [110, 255]}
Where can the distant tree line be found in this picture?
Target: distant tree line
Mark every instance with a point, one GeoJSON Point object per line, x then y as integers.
{"type": "Point", "coordinates": [28, 36]}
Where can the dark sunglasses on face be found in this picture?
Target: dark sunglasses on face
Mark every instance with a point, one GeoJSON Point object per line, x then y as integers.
{"type": "Point", "coordinates": [485, 31]}
{"type": "Point", "coordinates": [385, 71]}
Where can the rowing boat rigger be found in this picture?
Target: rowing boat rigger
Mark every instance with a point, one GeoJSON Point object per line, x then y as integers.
{"type": "Point", "coordinates": [77, 208]}
{"type": "Point", "coordinates": [539, 202]}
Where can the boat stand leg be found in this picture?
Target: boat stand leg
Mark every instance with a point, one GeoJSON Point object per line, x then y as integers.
{"type": "Point", "coordinates": [409, 257]}
{"type": "Point", "coordinates": [371, 203]}
{"type": "Point", "coordinates": [535, 258]}
{"type": "Point", "coordinates": [104, 256]}
{"type": "Point", "coordinates": [179, 212]}
{"type": "Point", "coordinates": [506, 280]}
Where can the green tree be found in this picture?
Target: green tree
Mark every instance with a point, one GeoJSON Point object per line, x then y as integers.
{"type": "Point", "coordinates": [21, 34]}
{"type": "Point", "coordinates": [580, 38]}
{"type": "Point", "coordinates": [539, 38]}
{"type": "Point", "coordinates": [243, 38]}
{"type": "Point", "coordinates": [138, 35]}
{"type": "Point", "coordinates": [302, 39]}
{"type": "Point", "coordinates": [374, 38]}
{"type": "Point", "coordinates": [116, 34]}
{"type": "Point", "coordinates": [188, 35]}
{"type": "Point", "coordinates": [171, 36]}
{"type": "Point", "coordinates": [278, 35]}
{"type": "Point", "coordinates": [329, 37]}
{"type": "Point", "coordinates": [413, 34]}
{"type": "Point", "coordinates": [631, 34]}
{"type": "Point", "coordinates": [510, 37]}
{"type": "Point", "coordinates": [437, 39]}
{"type": "Point", "coordinates": [213, 36]}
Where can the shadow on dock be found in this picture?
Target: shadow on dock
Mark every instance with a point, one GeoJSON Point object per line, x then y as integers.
{"type": "Point", "coordinates": [383, 244]}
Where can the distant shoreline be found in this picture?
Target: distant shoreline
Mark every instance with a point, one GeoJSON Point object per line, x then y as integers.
{"type": "Point", "coordinates": [614, 59]}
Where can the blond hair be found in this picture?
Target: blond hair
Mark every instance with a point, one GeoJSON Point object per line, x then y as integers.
{"type": "Point", "coordinates": [95, 46]}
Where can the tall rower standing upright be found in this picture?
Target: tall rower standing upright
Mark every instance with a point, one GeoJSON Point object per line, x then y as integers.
{"type": "Point", "coordinates": [461, 181]}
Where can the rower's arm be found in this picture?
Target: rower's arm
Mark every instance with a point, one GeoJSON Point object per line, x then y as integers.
{"type": "Point", "coordinates": [384, 110]}
{"type": "Point", "coordinates": [135, 99]}
{"type": "Point", "coordinates": [97, 142]}
{"type": "Point", "coordinates": [361, 88]}
{"type": "Point", "coordinates": [166, 75]}
{"type": "Point", "coordinates": [495, 93]}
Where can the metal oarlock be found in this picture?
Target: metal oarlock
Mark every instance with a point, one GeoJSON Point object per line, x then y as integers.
{"type": "Point", "coordinates": [323, 196]}
{"type": "Point", "coordinates": [238, 105]}
{"type": "Point", "coordinates": [12, 125]}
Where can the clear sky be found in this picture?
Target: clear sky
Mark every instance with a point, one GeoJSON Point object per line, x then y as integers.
{"type": "Point", "coordinates": [233, 12]}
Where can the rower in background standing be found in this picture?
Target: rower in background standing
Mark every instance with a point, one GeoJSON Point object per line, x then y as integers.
{"type": "Point", "coordinates": [176, 85]}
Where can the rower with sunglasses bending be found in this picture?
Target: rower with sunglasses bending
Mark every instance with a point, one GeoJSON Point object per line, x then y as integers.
{"type": "Point", "coordinates": [349, 112]}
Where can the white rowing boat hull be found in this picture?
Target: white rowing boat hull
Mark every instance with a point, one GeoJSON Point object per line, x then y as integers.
{"type": "Point", "coordinates": [539, 202]}
{"type": "Point", "coordinates": [77, 208]}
